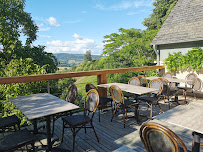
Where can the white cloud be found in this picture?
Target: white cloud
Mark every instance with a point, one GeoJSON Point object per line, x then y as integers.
{"type": "Point", "coordinates": [124, 5]}
{"type": "Point", "coordinates": [52, 21]}
{"type": "Point", "coordinates": [45, 36]}
{"type": "Point", "coordinates": [79, 46]}
{"type": "Point", "coordinates": [42, 28]}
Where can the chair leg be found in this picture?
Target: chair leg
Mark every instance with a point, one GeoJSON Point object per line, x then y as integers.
{"type": "Point", "coordinates": [151, 111]}
{"type": "Point", "coordinates": [113, 115]}
{"type": "Point", "coordinates": [94, 132]}
{"type": "Point", "coordinates": [63, 131]}
{"type": "Point", "coordinates": [99, 115]}
{"type": "Point", "coordinates": [85, 129]}
{"type": "Point", "coordinates": [124, 113]}
{"type": "Point", "coordinates": [33, 146]}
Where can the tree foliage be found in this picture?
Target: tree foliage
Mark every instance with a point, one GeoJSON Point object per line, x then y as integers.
{"type": "Point", "coordinates": [88, 56]}
{"type": "Point", "coordinates": [179, 62]}
{"type": "Point", "coordinates": [15, 22]}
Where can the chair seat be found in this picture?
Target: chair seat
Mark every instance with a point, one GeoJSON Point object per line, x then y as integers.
{"type": "Point", "coordinates": [16, 140]}
{"type": "Point", "coordinates": [9, 121]}
{"type": "Point", "coordinates": [76, 120]}
{"type": "Point", "coordinates": [148, 98]}
{"type": "Point", "coordinates": [103, 100]}
{"type": "Point", "coordinates": [185, 88]}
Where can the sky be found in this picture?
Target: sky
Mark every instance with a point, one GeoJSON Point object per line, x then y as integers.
{"type": "Point", "coordinates": [75, 26]}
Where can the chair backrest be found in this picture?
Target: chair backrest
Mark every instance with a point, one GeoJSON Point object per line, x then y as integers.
{"type": "Point", "coordinates": [190, 76]}
{"type": "Point", "coordinates": [89, 86]}
{"type": "Point", "coordinates": [158, 138]}
{"type": "Point", "coordinates": [168, 75]}
{"type": "Point", "coordinates": [116, 94]}
{"type": "Point", "coordinates": [156, 84]}
{"type": "Point", "coordinates": [166, 84]}
{"type": "Point", "coordinates": [134, 81]}
{"type": "Point", "coordinates": [72, 93]}
{"type": "Point", "coordinates": [143, 80]}
{"type": "Point", "coordinates": [91, 101]}
{"type": "Point", "coordinates": [198, 84]}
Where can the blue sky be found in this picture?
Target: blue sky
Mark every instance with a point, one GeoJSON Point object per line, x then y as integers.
{"type": "Point", "coordinates": [75, 26]}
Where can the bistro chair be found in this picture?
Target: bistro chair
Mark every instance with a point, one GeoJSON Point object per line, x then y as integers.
{"type": "Point", "coordinates": [158, 138]}
{"type": "Point", "coordinates": [103, 101]}
{"type": "Point", "coordinates": [197, 142]}
{"type": "Point", "coordinates": [17, 140]}
{"type": "Point", "coordinates": [143, 80]}
{"type": "Point", "coordinates": [133, 81]}
{"type": "Point", "coordinates": [189, 85]}
{"type": "Point", "coordinates": [197, 87]}
{"type": "Point", "coordinates": [9, 123]}
{"type": "Point", "coordinates": [71, 96]}
{"type": "Point", "coordinates": [168, 75]}
{"type": "Point", "coordinates": [120, 103]}
{"type": "Point", "coordinates": [154, 97]}
{"type": "Point", "coordinates": [167, 92]}
{"type": "Point", "coordinates": [76, 122]}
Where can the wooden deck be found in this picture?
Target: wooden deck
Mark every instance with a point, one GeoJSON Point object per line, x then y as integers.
{"type": "Point", "coordinates": [112, 135]}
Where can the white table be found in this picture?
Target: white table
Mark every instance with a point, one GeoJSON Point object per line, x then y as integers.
{"type": "Point", "coordinates": [137, 90]}
{"type": "Point", "coordinates": [42, 105]}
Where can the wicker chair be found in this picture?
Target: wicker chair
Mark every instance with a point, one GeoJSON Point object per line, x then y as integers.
{"type": "Point", "coordinates": [133, 81]}
{"type": "Point", "coordinates": [76, 122]}
{"type": "Point", "coordinates": [188, 85]}
{"type": "Point", "coordinates": [154, 97]}
{"type": "Point", "coordinates": [168, 75]}
{"type": "Point", "coordinates": [17, 140]}
{"type": "Point", "coordinates": [167, 92]}
{"type": "Point", "coordinates": [71, 96]}
{"type": "Point", "coordinates": [102, 100]}
{"type": "Point", "coordinates": [120, 103]}
{"type": "Point", "coordinates": [158, 138]}
{"type": "Point", "coordinates": [143, 80]}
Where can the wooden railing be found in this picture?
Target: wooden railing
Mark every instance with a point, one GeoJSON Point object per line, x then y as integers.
{"type": "Point", "coordinates": [101, 76]}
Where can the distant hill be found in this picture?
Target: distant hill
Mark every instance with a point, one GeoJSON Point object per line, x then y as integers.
{"type": "Point", "coordinates": [69, 60]}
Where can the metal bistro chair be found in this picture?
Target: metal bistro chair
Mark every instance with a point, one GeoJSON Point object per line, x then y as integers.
{"type": "Point", "coordinates": [9, 122]}
{"type": "Point", "coordinates": [158, 138]}
{"type": "Point", "coordinates": [76, 122]}
{"type": "Point", "coordinates": [143, 80]}
{"type": "Point", "coordinates": [189, 85]}
{"type": "Point", "coordinates": [120, 103]}
{"type": "Point", "coordinates": [102, 100]}
{"type": "Point", "coordinates": [133, 81]}
{"type": "Point", "coordinates": [168, 75]}
{"type": "Point", "coordinates": [71, 96]}
{"type": "Point", "coordinates": [167, 92]}
{"type": "Point", "coordinates": [154, 97]}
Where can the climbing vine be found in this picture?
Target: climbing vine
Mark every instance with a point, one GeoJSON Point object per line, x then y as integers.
{"type": "Point", "coordinates": [177, 61]}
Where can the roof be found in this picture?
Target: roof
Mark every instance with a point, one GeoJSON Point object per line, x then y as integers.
{"type": "Point", "coordinates": [184, 23]}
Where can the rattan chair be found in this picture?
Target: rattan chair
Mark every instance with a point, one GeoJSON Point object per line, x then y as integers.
{"type": "Point", "coordinates": [189, 85]}
{"type": "Point", "coordinates": [120, 104]}
{"type": "Point", "coordinates": [167, 92]}
{"type": "Point", "coordinates": [103, 101]}
{"type": "Point", "coordinates": [76, 122]}
{"type": "Point", "coordinates": [154, 97]}
{"type": "Point", "coordinates": [158, 138]}
{"type": "Point", "coordinates": [168, 75]}
{"type": "Point", "coordinates": [133, 81]}
{"type": "Point", "coordinates": [71, 96]}
{"type": "Point", "coordinates": [143, 80]}
{"type": "Point", "coordinates": [197, 87]}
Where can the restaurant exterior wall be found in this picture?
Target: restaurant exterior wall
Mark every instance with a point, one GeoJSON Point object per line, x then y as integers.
{"type": "Point", "coordinates": [184, 48]}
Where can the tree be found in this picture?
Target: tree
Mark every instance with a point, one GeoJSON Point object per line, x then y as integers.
{"type": "Point", "coordinates": [14, 22]}
{"type": "Point", "coordinates": [88, 56]}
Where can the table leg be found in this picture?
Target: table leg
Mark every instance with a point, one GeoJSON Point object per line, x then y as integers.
{"type": "Point", "coordinates": [176, 95]}
{"type": "Point", "coordinates": [137, 109]}
{"type": "Point", "coordinates": [35, 126]}
{"type": "Point", "coordinates": [48, 123]}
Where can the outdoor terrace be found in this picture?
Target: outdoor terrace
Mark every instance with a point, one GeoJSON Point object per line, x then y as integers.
{"type": "Point", "coordinates": [112, 135]}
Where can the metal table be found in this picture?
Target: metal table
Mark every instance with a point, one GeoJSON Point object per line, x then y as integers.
{"type": "Point", "coordinates": [42, 105]}
{"type": "Point", "coordinates": [137, 90]}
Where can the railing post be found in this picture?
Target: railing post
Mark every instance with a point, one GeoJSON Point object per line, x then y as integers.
{"type": "Point", "coordinates": [48, 87]}
{"type": "Point", "coordinates": [101, 79]}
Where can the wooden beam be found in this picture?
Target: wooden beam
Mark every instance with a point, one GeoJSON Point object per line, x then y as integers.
{"type": "Point", "coordinates": [54, 76]}
{"type": "Point", "coordinates": [102, 79]}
